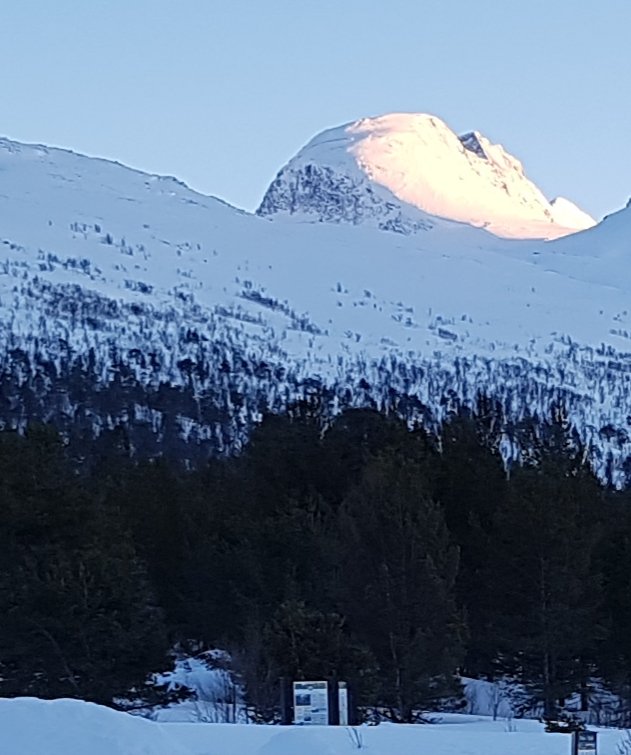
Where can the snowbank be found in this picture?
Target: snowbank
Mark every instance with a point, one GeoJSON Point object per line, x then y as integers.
{"type": "Point", "coordinates": [30, 726]}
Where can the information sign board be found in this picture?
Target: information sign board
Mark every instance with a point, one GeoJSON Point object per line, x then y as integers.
{"type": "Point", "coordinates": [585, 743]}
{"type": "Point", "coordinates": [311, 703]}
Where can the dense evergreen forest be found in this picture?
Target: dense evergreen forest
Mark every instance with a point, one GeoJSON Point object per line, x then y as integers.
{"type": "Point", "coordinates": [359, 548]}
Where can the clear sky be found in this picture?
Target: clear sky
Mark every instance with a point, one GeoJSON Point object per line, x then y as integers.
{"type": "Point", "coordinates": [221, 93]}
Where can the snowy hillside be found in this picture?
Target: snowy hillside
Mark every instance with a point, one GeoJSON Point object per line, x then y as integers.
{"type": "Point", "coordinates": [70, 727]}
{"type": "Point", "coordinates": [128, 299]}
{"type": "Point", "coordinates": [391, 170]}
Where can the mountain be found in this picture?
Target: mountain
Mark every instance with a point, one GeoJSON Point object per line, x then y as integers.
{"type": "Point", "coordinates": [129, 301]}
{"type": "Point", "coordinates": [392, 170]}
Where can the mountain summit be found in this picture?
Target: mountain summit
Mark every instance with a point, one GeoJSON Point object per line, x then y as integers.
{"type": "Point", "coordinates": [399, 170]}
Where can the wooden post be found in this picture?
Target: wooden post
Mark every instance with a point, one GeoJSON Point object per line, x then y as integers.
{"type": "Point", "coordinates": [353, 718]}
{"type": "Point", "coordinates": [286, 701]}
{"type": "Point", "coordinates": [334, 702]}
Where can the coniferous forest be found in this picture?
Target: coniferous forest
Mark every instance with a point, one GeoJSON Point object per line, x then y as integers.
{"type": "Point", "coordinates": [358, 547]}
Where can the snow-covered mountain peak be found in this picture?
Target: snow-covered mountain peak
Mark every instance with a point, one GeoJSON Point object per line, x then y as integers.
{"type": "Point", "coordinates": [395, 170]}
{"type": "Point", "coordinates": [130, 300]}
{"type": "Point", "coordinates": [566, 213]}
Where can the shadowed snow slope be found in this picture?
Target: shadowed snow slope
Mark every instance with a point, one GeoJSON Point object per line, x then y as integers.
{"type": "Point", "coordinates": [385, 170]}
{"type": "Point", "coordinates": [70, 727]}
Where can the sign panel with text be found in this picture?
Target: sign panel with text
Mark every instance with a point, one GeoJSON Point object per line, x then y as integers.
{"type": "Point", "coordinates": [311, 703]}
{"type": "Point", "coordinates": [585, 743]}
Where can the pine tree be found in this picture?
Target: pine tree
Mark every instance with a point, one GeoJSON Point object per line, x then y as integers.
{"type": "Point", "coordinates": [545, 587]}
{"type": "Point", "coordinates": [300, 642]}
{"type": "Point", "coordinates": [396, 585]}
{"type": "Point", "coordinates": [471, 486]}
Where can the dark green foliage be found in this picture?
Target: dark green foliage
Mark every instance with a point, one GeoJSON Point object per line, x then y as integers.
{"type": "Point", "coordinates": [300, 642]}
{"type": "Point", "coordinates": [396, 585]}
{"type": "Point", "coordinates": [613, 560]}
{"type": "Point", "coordinates": [470, 483]}
{"type": "Point", "coordinates": [547, 588]}
{"type": "Point", "coordinates": [78, 614]}
{"type": "Point", "coordinates": [360, 548]}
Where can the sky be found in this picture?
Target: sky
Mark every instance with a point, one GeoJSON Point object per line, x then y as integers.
{"type": "Point", "coordinates": [222, 93]}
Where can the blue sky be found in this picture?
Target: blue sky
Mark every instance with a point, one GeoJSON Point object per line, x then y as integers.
{"type": "Point", "coordinates": [221, 93]}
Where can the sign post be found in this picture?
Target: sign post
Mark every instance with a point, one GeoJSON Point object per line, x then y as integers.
{"type": "Point", "coordinates": [342, 695]}
{"type": "Point", "coordinates": [584, 743]}
{"type": "Point", "coordinates": [286, 701]}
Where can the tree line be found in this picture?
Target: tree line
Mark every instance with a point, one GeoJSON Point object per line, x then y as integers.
{"type": "Point", "coordinates": [358, 548]}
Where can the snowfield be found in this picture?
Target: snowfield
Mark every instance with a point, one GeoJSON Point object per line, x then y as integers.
{"type": "Point", "coordinates": [29, 726]}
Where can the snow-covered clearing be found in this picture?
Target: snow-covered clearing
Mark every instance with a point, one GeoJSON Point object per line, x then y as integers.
{"type": "Point", "coordinates": [30, 726]}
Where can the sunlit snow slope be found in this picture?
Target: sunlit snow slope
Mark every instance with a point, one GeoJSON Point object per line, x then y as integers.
{"type": "Point", "coordinates": [129, 300]}
{"type": "Point", "coordinates": [385, 170]}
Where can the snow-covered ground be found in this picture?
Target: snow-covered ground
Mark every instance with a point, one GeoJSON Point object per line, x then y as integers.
{"type": "Point", "coordinates": [29, 726]}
